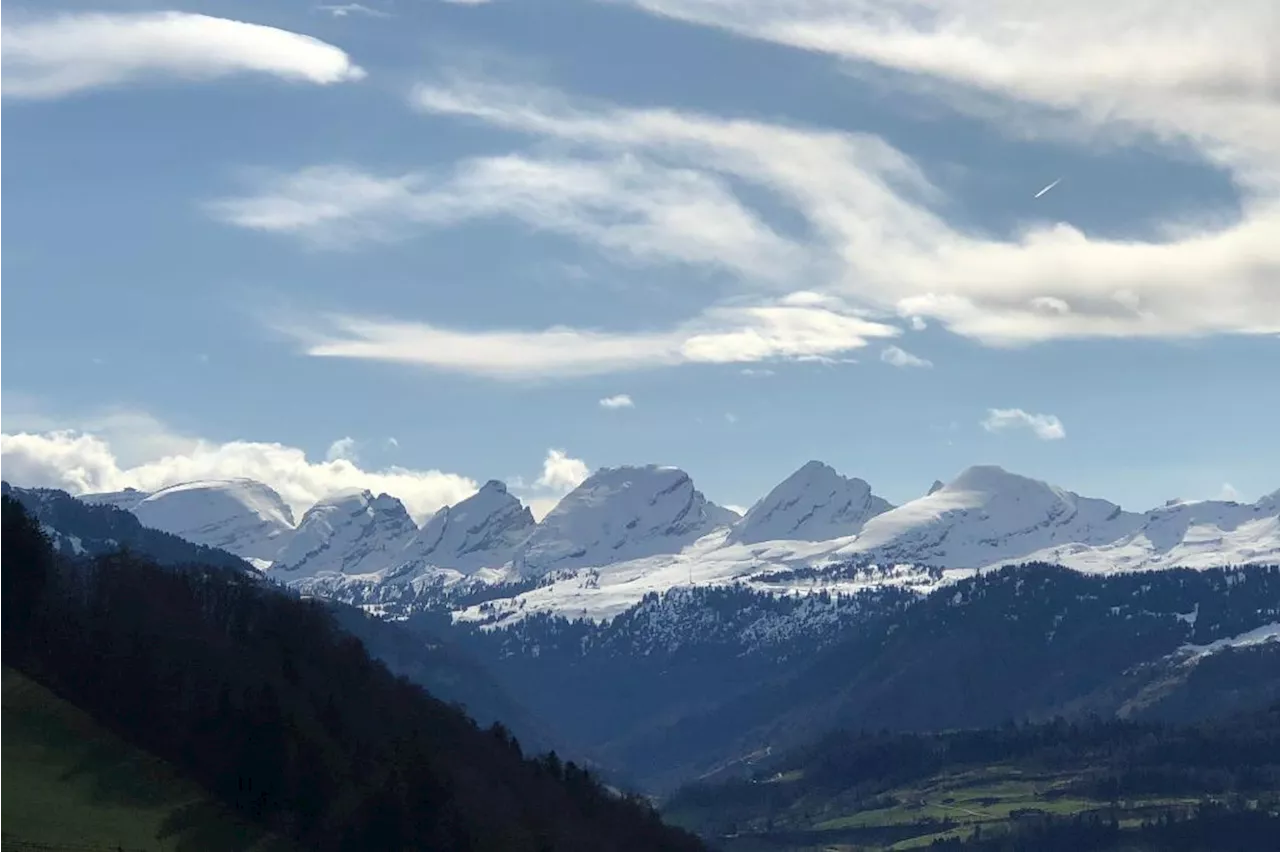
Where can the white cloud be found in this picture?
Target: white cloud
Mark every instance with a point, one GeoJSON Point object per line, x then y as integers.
{"type": "Point", "coordinates": [561, 472]}
{"type": "Point", "coordinates": [343, 448]}
{"type": "Point", "coordinates": [342, 10]}
{"type": "Point", "coordinates": [878, 242]}
{"type": "Point", "coordinates": [621, 400]}
{"type": "Point", "coordinates": [1187, 75]}
{"type": "Point", "coordinates": [740, 510]}
{"type": "Point", "coordinates": [899, 357]}
{"type": "Point", "coordinates": [392, 443]}
{"type": "Point", "coordinates": [632, 208]}
{"type": "Point", "coordinates": [56, 56]}
{"type": "Point", "coordinates": [1201, 74]}
{"type": "Point", "coordinates": [793, 327]}
{"type": "Point", "coordinates": [756, 372]}
{"type": "Point", "coordinates": [1228, 492]}
{"type": "Point", "coordinates": [1046, 427]}
{"type": "Point", "coordinates": [152, 457]}
{"type": "Point", "coordinates": [730, 418]}
{"type": "Point", "coordinates": [661, 185]}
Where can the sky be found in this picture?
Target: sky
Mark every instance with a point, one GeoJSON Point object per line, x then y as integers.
{"type": "Point", "coordinates": [413, 245]}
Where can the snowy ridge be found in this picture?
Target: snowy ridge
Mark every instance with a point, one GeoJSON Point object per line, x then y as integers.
{"type": "Point", "coordinates": [987, 516]}
{"type": "Point", "coordinates": [241, 516]}
{"type": "Point", "coordinates": [618, 514]}
{"type": "Point", "coordinates": [984, 518]}
{"type": "Point", "coordinates": [813, 504]}
{"type": "Point", "coordinates": [127, 499]}
{"type": "Point", "coordinates": [628, 532]}
{"type": "Point", "coordinates": [482, 531]}
{"type": "Point", "coordinates": [351, 532]}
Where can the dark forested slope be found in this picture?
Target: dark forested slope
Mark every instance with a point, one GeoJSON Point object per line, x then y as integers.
{"type": "Point", "coordinates": [78, 528]}
{"type": "Point", "coordinates": [1092, 785]}
{"type": "Point", "coordinates": [267, 703]}
{"type": "Point", "coordinates": [1025, 642]}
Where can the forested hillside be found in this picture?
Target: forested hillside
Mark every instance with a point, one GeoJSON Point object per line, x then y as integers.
{"type": "Point", "coordinates": [1094, 785]}
{"type": "Point", "coordinates": [263, 700]}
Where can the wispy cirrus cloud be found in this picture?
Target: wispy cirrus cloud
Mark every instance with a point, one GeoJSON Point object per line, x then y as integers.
{"type": "Point", "coordinates": [663, 185]}
{"type": "Point", "coordinates": [1046, 427]}
{"type": "Point", "coordinates": [875, 233]}
{"type": "Point", "coordinates": [55, 56]}
{"type": "Point", "coordinates": [1204, 75]}
{"type": "Point", "coordinates": [800, 325]}
{"type": "Point", "coordinates": [617, 401]}
{"type": "Point", "coordinates": [624, 205]}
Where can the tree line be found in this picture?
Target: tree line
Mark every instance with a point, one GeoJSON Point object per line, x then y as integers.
{"type": "Point", "coordinates": [266, 702]}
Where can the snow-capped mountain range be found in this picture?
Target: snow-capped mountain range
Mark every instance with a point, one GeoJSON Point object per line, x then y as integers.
{"type": "Point", "coordinates": [628, 531]}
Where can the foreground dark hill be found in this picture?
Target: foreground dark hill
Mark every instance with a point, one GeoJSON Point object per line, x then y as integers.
{"type": "Point", "coordinates": [423, 655]}
{"type": "Point", "coordinates": [71, 784]}
{"type": "Point", "coordinates": [266, 703]}
{"type": "Point", "coordinates": [429, 658]}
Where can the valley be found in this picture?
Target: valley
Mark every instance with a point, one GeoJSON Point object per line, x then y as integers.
{"type": "Point", "coordinates": [660, 640]}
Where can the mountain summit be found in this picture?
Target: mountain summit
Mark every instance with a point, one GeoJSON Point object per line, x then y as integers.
{"type": "Point", "coordinates": [242, 516]}
{"type": "Point", "coordinates": [987, 515]}
{"type": "Point", "coordinates": [350, 532]}
{"type": "Point", "coordinates": [618, 514]}
{"type": "Point", "coordinates": [813, 504]}
{"type": "Point", "coordinates": [482, 531]}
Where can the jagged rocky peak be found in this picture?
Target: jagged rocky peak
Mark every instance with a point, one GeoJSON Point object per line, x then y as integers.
{"type": "Point", "coordinates": [937, 485]}
{"type": "Point", "coordinates": [813, 504]}
{"type": "Point", "coordinates": [348, 532]}
{"type": "Point", "coordinates": [618, 514]}
{"type": "Point", "coordinates": [241, 516]}
{"type": "Point", "coordinates": [482, 531]}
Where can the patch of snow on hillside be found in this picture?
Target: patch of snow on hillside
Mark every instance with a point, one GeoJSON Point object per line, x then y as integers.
{"type": "Point", "coordinates": [1257, 636]}
{"type": "Point", "coordinates": [600, 593]}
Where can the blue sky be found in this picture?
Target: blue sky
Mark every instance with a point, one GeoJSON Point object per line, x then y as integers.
{"type": "Point", "coordinates": [783, 230]}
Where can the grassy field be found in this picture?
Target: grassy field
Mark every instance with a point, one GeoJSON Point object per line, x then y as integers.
{"type": "Point", "coordinates": [990, 799]}
{"type": "Point", "coordinates": [70, 784]}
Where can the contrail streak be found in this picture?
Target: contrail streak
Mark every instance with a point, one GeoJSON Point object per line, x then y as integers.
{"type": "Point", "coordinates": [1047, 188]}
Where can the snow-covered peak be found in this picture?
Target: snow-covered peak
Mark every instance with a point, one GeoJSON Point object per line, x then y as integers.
{"type": "Point", "coordinates": [813, 504]}
{"type": "Point", "coordinates": [986, 515]}
{"type": "Point", "coordinates": [618, 514]}
{"type": "Point", "coordinates": [995, 480]}
{"type": "Point", "coordinates": [349, 532]}
{"type": "Point", "coordinates": [241, 516]}
{"type": "Point", "coordinates": [482, 531]}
